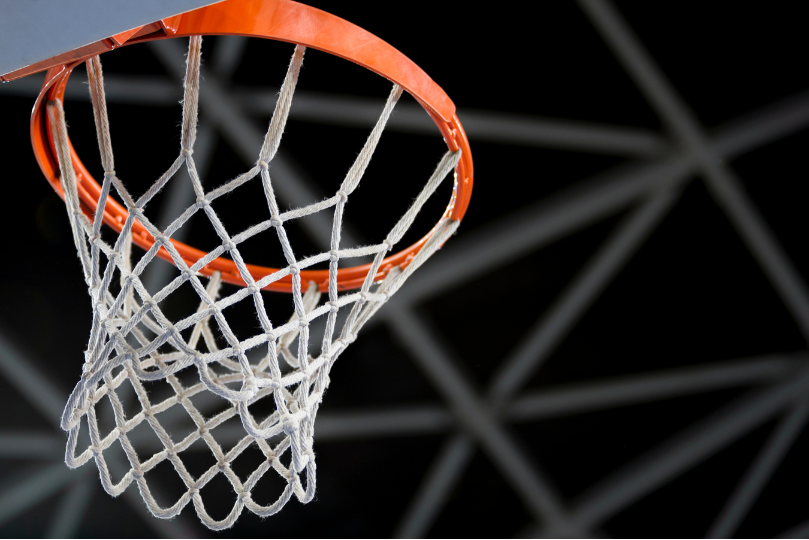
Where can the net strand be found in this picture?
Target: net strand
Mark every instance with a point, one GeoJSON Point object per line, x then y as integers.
{"type": "Point", "coordinates": [133, 343]}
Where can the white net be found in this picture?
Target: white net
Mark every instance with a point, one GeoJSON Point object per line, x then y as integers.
{"type": "Point", "coordinates": [268, 383]}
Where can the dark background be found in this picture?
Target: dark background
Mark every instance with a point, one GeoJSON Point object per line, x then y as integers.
{"type": "Point", "coordinates": [697, 294]}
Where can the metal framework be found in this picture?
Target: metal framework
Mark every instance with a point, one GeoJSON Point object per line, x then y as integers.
{"type": "Point", "coordinates": [470, 419]}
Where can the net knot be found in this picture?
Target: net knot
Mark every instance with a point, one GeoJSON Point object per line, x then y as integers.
{"type": "Point", "coordinates": [289, 423]}
{"type": "Point", "coordinates": [294, 270]}
{"type": "Point", "coordinates": [228, 245]}
{"type": "Point", "coordinates": [110, 325]}
{"type": "Point", "coordinates": [110, 174]}
{"type": "Point", "coordinates": [188, 152]}
{"type": "Point", "coordinates": [388, 243]}
{"type": "Point", "coordinates": [332, 306]}
{"type": "Point", "coordinates": [263, 164]}
{"type": "Point", "coordinates": [193, 491]}
{"type": "Point", "coordinates": [343, 195]}
{"type": "Point", "coordinates": [252, 289]}
{"type": "Point", "coordinates": [303, 323]}
{"type": "Point", "coordinates": [334, 255]}
{"type": "Point", "coordinates": [276, 221]}
{"type": "Point", "coordinates": [201, 201]}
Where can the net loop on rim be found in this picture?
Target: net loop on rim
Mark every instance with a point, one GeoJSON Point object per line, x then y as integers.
{"type": "Point", "coordinates": [134, 344]}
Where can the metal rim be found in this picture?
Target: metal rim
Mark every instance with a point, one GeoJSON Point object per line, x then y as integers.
{"type": "Point", "coordinates": [269, 19]}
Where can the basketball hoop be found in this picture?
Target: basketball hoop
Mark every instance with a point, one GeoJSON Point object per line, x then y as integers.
{"type": "Point", "coordinates": [133, 342]}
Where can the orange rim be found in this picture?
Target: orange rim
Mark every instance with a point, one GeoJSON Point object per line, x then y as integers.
{"type": "Point", "coordinates": [270, 19]}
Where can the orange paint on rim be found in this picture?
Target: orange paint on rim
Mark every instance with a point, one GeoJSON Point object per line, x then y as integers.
{"type": "Point", "coordinates": [282, 20]}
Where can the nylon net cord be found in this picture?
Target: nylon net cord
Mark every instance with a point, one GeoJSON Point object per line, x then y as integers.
{"type": "Point", "coordinates": [133, 341]}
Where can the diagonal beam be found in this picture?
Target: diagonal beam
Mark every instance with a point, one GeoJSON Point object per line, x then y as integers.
{"type": "Point", "coordinates": [761, 470]}
{"type": "Point", "coordinates": [30, 445]}
{"type": "Point", "coordinates": [527, 230]}
{"type": "Point", "coordinates": [722, 183]}
{"type": "Point", "coordinates": [34, 489]}
{"type": "Point", "coordinates": [762, 243]}
{"type": "Point", "coordinates": [555, 324]}
{"type": "Point", "coordinates": [644, 388]}
{"type": "Point", "coordinates": [599, 271]}
{"type": "Point", "coordinates": [541, 500]}
{"type": "Point", "coordinates": [470, 256]}
{"type": "Point", "coordinates": [71, 509]}
{"type": "Point", "coordinates": [545, 339]}
{"type": "Point", "coordinates": [227, 55]}
{"type": "Point", "coordinates": [685, 450]}
{"type": "Point", "coordinates": [762, 126]}
{"type": "Point", "coordinates": [453, 458]}
{"type": "Point", "coordinates": [798, 531]}
{"type": "Point", "coordinates": [21, 373]}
